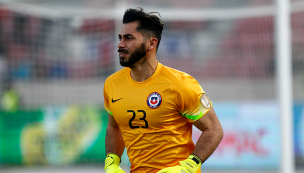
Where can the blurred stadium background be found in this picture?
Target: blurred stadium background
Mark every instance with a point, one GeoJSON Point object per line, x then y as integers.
{"type": "Point", "coordinates": [56, 54]}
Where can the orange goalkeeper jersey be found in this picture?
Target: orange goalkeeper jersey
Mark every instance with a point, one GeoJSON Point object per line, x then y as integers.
{"type": "Point", "coordinates": [155, 116]}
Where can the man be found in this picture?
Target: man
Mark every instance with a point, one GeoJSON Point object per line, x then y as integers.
{"type": "Point", "coordinates": [152, 107]}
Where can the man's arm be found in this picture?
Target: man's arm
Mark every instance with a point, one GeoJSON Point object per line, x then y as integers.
{"type": "Point", "coordinates": [114, 147]}
{"type": "Point", "coordinates": [114, 142]}
{"type": "Point", "coordinates": [212, 134]}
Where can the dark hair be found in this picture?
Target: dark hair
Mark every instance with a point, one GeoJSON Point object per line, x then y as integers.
{"type": "Point", "coordinates": [149, 24]}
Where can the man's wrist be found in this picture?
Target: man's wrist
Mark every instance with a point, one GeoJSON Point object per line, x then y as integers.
{"type": "Point", "coordinates": [112, 159]}
{"type": "Point", "coordinates": [196, 159]}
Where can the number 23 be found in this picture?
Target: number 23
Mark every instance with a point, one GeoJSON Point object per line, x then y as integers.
{"type": "Point", "coordinates": [133, 117]}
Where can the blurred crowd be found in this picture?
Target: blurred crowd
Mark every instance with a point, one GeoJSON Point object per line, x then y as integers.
{"type": "Point", "coordinates": [34, 48]}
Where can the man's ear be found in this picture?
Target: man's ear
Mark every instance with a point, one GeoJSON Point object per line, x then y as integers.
{"type": "Point", "coordinates": [152, 43]}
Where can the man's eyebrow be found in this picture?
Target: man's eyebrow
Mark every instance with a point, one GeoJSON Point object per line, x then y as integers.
{"type": "Point", "coordinates": [126, 35]}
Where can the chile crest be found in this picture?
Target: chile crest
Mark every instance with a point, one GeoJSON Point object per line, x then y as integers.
{"type": "Point", "coordinates": [154, 100]}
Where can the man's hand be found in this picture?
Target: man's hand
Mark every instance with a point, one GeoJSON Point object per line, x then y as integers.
{"type": "Point", "coordinates": [112, 164]}
{"type": "Point", "coordinates": [190, 165]}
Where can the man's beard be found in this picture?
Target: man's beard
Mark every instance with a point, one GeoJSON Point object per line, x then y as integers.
{"type": "Point", "coordinates": [138, 54]}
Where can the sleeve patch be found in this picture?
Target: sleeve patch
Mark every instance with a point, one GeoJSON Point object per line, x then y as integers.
{"type": "Point", "coordinates": [205, 101]}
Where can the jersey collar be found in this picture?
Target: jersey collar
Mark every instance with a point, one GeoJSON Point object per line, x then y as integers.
{"type": "Point", "coordinates": [151, 78]}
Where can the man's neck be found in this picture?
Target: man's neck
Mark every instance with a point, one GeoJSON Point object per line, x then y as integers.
{"type": "Point", "coordinates": [143, 69]}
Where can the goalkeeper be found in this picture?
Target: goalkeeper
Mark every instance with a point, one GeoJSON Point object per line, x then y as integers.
{"type": "Point", "coordinates": [152, 107]}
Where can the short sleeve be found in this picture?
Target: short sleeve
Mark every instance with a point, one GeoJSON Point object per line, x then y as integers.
{"type": "Point", "coordinates": [192, 101]}
{"type": "Point", "coordinates": [106, 99]}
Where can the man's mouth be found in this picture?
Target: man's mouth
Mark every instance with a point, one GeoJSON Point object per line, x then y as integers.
{"type": "Point", "coordinates": [122, 51]}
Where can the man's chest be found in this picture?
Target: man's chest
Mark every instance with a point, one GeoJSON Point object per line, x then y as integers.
{"type": "Point", "coordinates": [144, 107]}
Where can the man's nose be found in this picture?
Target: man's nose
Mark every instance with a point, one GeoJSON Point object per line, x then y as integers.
{"type": "Point", "coordinates": [121, 44]}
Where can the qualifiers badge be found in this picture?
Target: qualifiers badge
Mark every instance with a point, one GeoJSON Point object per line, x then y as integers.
{"type": "Point", "coordinates": [154, 100]}
{"type": "Point", "coordinates": [205, 101]}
